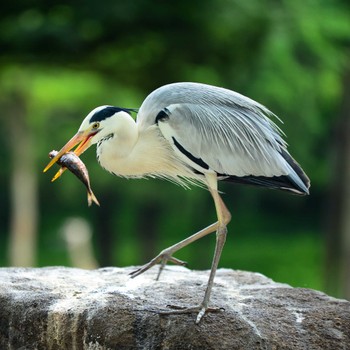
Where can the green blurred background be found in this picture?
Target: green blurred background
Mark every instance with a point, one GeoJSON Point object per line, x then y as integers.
{"type": "Point", "coordinates": [60, 60]}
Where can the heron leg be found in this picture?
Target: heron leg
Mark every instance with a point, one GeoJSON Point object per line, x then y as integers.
{"type": "Point", "coordinates": [224, 217]}
{"type": "Point", "coordinates": [166, 254]}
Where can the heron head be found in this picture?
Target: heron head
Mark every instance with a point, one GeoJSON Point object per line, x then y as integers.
{"type": "Point", "coordinates": [98, 124]}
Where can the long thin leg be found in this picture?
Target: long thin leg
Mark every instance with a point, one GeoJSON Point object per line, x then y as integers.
{"type": "Point", "coordinates": [166, 254]}
{"type": "Point", "coordinates": [224, 217]}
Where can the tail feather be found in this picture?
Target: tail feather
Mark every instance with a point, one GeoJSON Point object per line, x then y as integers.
{"type": "Point", "coordinates": [299, 177]}
{"type": "Point", "coordinates": [296, 182]}
{"type": "Point", "coordinates": [274, 182]}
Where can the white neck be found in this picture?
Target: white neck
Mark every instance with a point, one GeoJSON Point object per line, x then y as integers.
{"type": "Point", "coordinates": [118, 142]}
{"type": "Point", "coordinates": [138, 153]}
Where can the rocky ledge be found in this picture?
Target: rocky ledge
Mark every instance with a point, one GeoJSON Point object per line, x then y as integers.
{"type": "Point", "coordinates": [66, 308]}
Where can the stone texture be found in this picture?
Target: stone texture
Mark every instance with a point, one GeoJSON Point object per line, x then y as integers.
{"type": "Point", "coordinates": [66, 308]}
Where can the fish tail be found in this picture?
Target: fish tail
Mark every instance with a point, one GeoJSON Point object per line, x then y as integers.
{"type": "Point", "coordinates": [92, 198]}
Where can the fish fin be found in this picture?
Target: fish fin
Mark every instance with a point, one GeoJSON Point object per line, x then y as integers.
{"type": "Point", "coordinates": [92, 198]}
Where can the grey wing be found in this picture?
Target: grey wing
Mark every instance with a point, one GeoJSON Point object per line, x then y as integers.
{"type": "Point", "coordinates": [217, 130]}
{"type": "Point", "coordinates": [228, 141]}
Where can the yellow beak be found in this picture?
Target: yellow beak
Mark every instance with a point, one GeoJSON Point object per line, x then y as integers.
{"type": "Point", "coordinates": [81, 138]}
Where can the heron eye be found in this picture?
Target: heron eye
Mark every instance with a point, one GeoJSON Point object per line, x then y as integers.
{"type": "Point", "coordinates": [96, 125]}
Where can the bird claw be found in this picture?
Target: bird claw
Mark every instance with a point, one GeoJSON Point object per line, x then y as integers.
{"type": "Point", "coordinates": [162, 258]}
{"type": "Point", "coordinates": [201, 310]}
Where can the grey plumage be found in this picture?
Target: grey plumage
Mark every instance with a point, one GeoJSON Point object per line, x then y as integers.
{"type": "Point", "coordinates": [231, 133]}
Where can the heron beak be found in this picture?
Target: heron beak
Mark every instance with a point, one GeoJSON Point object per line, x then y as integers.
{"type": "Point", "coordinates": [81, 138]}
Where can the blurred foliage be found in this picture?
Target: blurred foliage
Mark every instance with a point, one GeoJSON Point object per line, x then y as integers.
{"type": "Point", "coordinates": [64, 59]}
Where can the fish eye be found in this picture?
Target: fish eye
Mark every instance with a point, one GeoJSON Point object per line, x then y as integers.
{"type": "Point", "coordinates": [96, 125]}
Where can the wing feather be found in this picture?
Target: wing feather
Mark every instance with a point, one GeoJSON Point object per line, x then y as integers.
{"type": "Point", "coordinates": [225, 141]}
{"type": "Point", "coordinates": [231, 133]}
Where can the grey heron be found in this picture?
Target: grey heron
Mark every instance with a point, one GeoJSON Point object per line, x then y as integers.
{"type": "Point", "coordinates": [192, 133]}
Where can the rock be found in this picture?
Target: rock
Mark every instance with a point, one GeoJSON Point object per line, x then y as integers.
{"type": "Point", "coordinates": [66, 308]}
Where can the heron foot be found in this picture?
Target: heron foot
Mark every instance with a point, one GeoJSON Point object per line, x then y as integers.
{"type": "Point", "coordinates": [200, 310]}
{"type": "Point", "coordinates": [162, 258]}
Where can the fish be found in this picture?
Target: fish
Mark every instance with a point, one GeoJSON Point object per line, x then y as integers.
{"type": "Point", "coordinates": [75, 165]}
